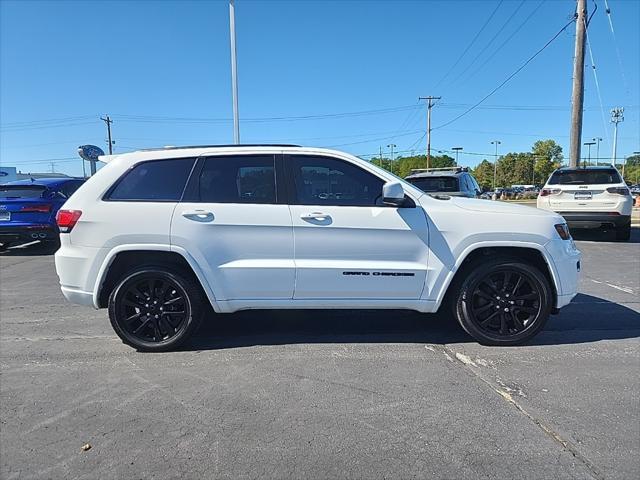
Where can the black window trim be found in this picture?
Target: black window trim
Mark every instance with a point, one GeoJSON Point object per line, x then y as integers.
{"type": "Point", "coordinates": [107, 195]}
{"type": "Point", "coordinates": [191, 193]}
{"type": "Point", "coordinates": [291, 187]}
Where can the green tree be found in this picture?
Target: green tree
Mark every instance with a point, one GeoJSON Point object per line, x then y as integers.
{"type": "Point", "coordinates": [548, 157]}
{"type": "Point", "coordinates": [514, 169]}
{"type": "Point", "coordinates": [632, 169]}
{"type": "Point", "coordinates": [484, 174]}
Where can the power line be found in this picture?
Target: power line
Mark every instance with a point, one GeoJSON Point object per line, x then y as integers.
{"type": "Point", "coordinates": [595, 77]}
{"type": "Point", "coordinates": [489, 43]}
{"type": "Point", "coordinates": [455, 64]}
{"type": "Point", "coordinates": [473, 107]}
{"type": "Point", "coordinates": [40, 127]}
{"type": "Point", "coordinates": [375, 139]}
{"type": "Point", "coordinates": [152, 119]}
{"type": "Point", "coordinates": [515, 32]}
{"type": "Point", "coordinates": [615, 44]}
{"type": "Point", "coordinates": [47, 121]}
{"type": "Point", "coordinates": [454, 106]}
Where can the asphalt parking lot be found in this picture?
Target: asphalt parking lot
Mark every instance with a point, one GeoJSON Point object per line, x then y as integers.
{"type": "Point", "coordinates": [322, 394]}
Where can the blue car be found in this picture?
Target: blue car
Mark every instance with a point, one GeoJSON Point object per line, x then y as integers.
{"type": "Point", "coordinates": [28, 209]}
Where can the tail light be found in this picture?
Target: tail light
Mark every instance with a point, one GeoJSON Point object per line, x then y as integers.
{"type": "Point", "coordinates": [619, 190]}
{"type": "Point", "coordinates": [67, 219]}
{"type": "Point", "coordinates": [36, 208]}
{"type": "Point", "coordinates": [550, 191]}
{"type": "Point", "coordinates": [563, 231]}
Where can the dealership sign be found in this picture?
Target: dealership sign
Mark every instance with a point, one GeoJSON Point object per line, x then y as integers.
{"type": "Point", "coordinates": [90, 152]}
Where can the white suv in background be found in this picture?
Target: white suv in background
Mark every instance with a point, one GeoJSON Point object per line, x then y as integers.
{"type": "Point", "coordinates": [590, 197]}
{"type": "Point", "coordinates": [162, 237]}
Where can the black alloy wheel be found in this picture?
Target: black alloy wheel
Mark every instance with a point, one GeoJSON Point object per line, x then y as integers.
{"type": "Point", "coordinates": [153, 309]}
{"type": "Point", "coordinates": [504, 302]}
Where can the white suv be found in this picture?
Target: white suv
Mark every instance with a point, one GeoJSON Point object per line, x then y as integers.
{"type": "Point", "coordinates": [590, 197]}
{"type": "Point", "coordinates": [159, 236]}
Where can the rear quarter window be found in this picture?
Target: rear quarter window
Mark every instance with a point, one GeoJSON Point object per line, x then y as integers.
{"type": "Point", "coordinates": [153, 181]}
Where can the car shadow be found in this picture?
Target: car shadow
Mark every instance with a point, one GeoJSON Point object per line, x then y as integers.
{"type": "Point", "coordinates": [583, 234]}
{"type": "Point", "coordinates": [28, 250]}
{"type": "Point", "coordinates": [587, 319]}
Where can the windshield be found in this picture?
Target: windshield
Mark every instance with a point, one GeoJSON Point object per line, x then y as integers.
{"type": "Point", "coordinates": [436, 184]}
{"type": "Point", "coordinates": [580, 177]}
{"type": "Point", "coordinates": [21, 191]}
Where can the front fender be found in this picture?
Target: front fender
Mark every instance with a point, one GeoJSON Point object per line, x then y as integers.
{"type": "Point", "coordinates": [441, 280]}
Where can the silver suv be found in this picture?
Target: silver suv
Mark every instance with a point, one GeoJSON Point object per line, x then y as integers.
{"type": "Point", "coordinates": [453, 181]}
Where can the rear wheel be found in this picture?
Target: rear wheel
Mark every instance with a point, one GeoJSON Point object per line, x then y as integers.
{"type": "Point", "coordinates": [154, 309]}
{"type": "Point", "coordinates": [623, 234]}
{"type": "Point", "coordinates": [503, 302]}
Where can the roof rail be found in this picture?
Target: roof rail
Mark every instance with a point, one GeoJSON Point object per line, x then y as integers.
{"type": "Point", "coordinates": [440, 169]}
{"type": "Point", "coordinates": [239, 145]}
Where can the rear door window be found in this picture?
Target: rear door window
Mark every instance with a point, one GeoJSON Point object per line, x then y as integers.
{"type": "Point", "coordinates": [584, 177]}
{"type": "Point", "coordinates": [238, 179]}
{"type": "Point", "coordinates": [154, 181]}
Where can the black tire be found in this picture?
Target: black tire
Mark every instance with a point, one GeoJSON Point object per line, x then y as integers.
{"type": "Point", "coordinates": [155, 309]}
{"type": "Point", "coordinates": [516, 290]}
{"type": "Point", "coordinates": [623, 234]}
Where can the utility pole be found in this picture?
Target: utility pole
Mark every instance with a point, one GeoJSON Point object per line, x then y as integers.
{"type": "Point", "coordinates": [577, 97]}
{"type": "Point", "coordinates": [234, 72]}
{"type": "Point", "coordinates": [392, 146]}
{"type": "Point", "coordinates": [457, 150]}
{"type": "Point", "coordinates": [588, 144]}
{"type": "Point", "coordinates": [53, 167]}
{"type": "Point", "coordinates": [617, 116]}
{"type": "Point", "coordinates": [495, 163]}
{"type": "Point", "coordinates": [108, 121]}
{"type": "Point", "coordinates": [597, 140]}
{"type": "Point", "coordinates": [430, 104]}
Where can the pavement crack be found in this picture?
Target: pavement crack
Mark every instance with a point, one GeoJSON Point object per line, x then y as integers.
{"type": "Point", "coordinates": [467, 364]}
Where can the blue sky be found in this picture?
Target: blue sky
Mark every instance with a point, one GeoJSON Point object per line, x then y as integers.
{"type": "Point", "coordinates": [161, 70]}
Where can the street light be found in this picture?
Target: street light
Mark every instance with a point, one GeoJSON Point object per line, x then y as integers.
{"type": "Point", "coordinates": [392, 146]}
{"type": "Point", "coordinates": [598, 140]}
{"type": "Point", "coordinates": [495, 164]}
{"type": "Point", "coordinates": [588, 144]}
{"type": "Point", "coordinates": [456, 149]}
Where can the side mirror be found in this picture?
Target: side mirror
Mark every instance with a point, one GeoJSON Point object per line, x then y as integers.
{"type": "Point", "coordinates": [393, 194]}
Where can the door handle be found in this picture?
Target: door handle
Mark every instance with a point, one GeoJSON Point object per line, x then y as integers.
{"type": "Point", "coordinates": [315, 216]}
{"type": "Point", "coordinates": [198, 215]}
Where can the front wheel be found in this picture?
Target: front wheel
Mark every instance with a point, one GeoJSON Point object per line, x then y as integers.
{"type": "Point", "coordinates": [504, 302]}
{"type": "Point", "coordinates": [154, 309]}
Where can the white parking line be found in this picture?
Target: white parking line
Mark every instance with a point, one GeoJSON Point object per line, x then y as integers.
{"type": "Point", "coordinates": [624, 289]}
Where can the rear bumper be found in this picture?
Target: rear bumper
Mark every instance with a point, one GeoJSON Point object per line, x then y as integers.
{"type": "Point", "coordinates": [77, 269]}
{"type": "Point", "coordinates": [595, 219]}
{"type": "Point", "coordinates": [27, 233]}
{"type": "Point", "coordinates": [79, 297]}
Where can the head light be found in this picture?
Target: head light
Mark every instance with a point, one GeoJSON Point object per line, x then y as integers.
{"type": "Point", "coordinates": [563, 231]}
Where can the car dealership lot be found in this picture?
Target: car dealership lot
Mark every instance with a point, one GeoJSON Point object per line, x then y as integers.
{"type": "Point", "coordinates": [322, 394]}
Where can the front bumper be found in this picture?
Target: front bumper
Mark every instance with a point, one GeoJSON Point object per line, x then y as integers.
{"type": "Point", "coordinates": [595, 219]}
{"type": "Point", "coordinates": [27, 233]}
{"type": "Point", "coordinates": [566, 260]}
